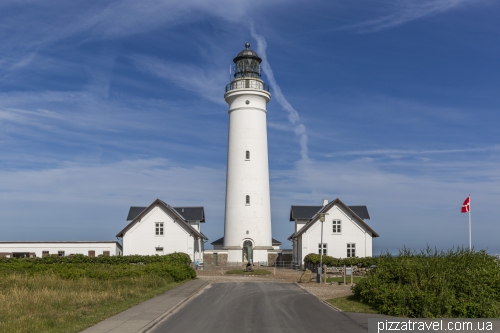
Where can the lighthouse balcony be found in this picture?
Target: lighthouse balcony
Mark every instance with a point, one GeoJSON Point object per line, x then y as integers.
{"type": "Point", "coordinates": [247, 84]}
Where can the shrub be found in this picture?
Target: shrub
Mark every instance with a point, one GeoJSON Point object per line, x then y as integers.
{"type": "Point", "coordinates": [431, 283]}
{"type": "Point", "coordinates": [313, 258]}
{"type": "Point", "coordinates": [173, 267]}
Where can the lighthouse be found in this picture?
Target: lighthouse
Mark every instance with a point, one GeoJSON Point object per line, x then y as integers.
{"type": "Point", "coordinates": [247, 220]}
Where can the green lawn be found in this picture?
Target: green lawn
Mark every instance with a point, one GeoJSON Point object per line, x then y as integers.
{"type": "Point", "coordinates": [351, 304]}
{"type": "Point", "coordinates": [48, 303]}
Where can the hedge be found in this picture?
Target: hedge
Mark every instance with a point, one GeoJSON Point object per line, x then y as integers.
{"type": "Point", "coordinates": [431, 283]}
{"type": "Point", "coordinates": [314, 258]}
{"type": "Point", "coordinates": [173, 267]}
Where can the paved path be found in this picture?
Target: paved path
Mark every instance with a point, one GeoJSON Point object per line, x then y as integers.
{"type": "Point", "coordinates": [258, 307]}
{"type": "Point", "coordinates": [143, 316]}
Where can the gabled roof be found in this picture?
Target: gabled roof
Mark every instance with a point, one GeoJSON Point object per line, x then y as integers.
{"type": "Point", "coordinates": [303, 212]}
{"type": "Point", "coordinates": [325, 209]}
{"type": "Point", "coordinates": [308, 212]}
{"type": "Point", "coordinates": [220, 241]}
{"type": "Point", "coordinates": [192, 213]}
{"type": "Point", "coordinates": [361, 211]}
{"type": "Point", "coordinates": [134, 210]}
{"type": "Point", "coordinates": [188, 213]}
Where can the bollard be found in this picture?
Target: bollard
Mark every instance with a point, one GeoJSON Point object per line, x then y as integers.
{"type": "Point", "coordinates": [324, 273]}
{"type": "Point", "coordinates": [344, 273]}
{"type": "Point", "coordinates": [352, 276]}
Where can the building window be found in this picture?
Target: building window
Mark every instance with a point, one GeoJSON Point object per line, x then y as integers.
{"type": "Point", "coordinates": [336, 227]}
{"type": "Point", "coordinates": [45, 254]}
{"type": "Point", "coordinates": [325, 248]}
{"type": "Point", "coordinates": [105, 253]}
{"type": "Point", "coordinates": [91, 253]}
{"type": "Point", "coordinates": [159, 229]}
{"type": "Point", "coordinates": [247, 200]}
{"type": "Point", "coordinates": [247, 155]}
{"type": "Point", "coordinates": [60, 253]}
{"type": "Point", "coordinates": [351, 250]}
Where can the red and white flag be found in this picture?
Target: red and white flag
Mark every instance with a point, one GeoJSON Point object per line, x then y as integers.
{"type": "Point", "coordinates": [466, 205]}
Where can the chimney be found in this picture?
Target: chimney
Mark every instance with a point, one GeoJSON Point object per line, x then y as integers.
{"type": "Point", "coordinates": [325, 202]}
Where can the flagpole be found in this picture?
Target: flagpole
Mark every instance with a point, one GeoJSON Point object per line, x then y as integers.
{"type": "Point", "coordinates": [470, 239]}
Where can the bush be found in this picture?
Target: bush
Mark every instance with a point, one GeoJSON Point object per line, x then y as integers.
{"type": "Point", "coordinates": [173, 267]}
{"type": "Point", "coordinates": [313, 258]}
{"type": "Point", "coordinates": [431, 283]}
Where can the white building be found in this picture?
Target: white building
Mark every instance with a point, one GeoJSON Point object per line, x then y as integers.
{"type": "Point", "coordinates": [345, 232]}
{"type": "Point", "coordinates": [162, 229]}
{"type": "Point", "coordinates": [247, 221]}
{"type": "Point", "coordinates": [43, 249]}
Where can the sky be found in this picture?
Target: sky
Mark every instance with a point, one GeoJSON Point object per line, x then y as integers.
{"type": "Point", "coordinates": [389, 104]}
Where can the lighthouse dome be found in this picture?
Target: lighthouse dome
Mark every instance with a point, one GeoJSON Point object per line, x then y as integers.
{"type": "Point", "coordinates": [247, 54]}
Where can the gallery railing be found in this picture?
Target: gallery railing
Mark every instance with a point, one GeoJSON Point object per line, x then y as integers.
{"type": "Point", "coordinates": [247, 84]}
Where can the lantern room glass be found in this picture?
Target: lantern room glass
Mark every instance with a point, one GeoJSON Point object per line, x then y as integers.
{"type": "Point", "coordinates": [247, 68]}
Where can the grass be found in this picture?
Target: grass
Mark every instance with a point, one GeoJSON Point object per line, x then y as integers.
{"type": "Point", "coordinates": [351, 304]}
{"type": "Point", "coordinates": [255, 272]}
{"type": "Point", "coordinates": [341, 279]}
{"type": "Point", "coordinates": [46, 302]}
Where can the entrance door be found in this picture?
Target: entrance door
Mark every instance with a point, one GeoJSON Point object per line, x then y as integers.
{"type": "Point", "coordinates": [247, 251]}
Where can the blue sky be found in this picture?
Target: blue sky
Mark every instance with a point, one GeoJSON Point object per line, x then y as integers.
{"type": "Point", "coordinates": [389, 104]}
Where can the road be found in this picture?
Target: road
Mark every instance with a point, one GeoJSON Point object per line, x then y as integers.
{"type": "Point", "coordinates": [256, 307]}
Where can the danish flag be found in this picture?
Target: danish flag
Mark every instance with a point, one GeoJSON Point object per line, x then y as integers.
{"type": "Point", "coordinates": [466, 205]}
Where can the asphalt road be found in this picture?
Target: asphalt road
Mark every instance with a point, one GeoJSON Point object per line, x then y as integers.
{"type": "Point", "coordinates": [256, 307]}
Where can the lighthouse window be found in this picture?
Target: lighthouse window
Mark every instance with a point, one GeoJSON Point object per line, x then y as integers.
{"type": "Point", "coordinates": [247, 155]}
{"type": "Point", "coordinates": [247, 200]}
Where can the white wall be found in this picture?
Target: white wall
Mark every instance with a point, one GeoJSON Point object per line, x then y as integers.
{"type": "Point", "coordinates": [351, 232]}
{"type": "Point", "coordinates": [141, 238]}
{"type": "Point", "coordinates": [67, 247]}
{"type": "Point", "coordinates": [247, 131]}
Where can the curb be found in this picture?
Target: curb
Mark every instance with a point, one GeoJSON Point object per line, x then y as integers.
{"type": "Point", "coordinates": [153, 323]}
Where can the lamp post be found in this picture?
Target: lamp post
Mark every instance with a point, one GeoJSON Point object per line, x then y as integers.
{"type": "Point", "coordinates": [320, 268]}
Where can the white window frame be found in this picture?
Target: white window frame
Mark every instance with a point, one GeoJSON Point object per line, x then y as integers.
{"type": "Point", "coordinates": [325, 249]}
{"type": "Point", "coordinates": [159, 228]}
{"type": "Point", "coordinates": [337, 227]}
{"type": "Point", "coordinates": [61, 253]}
{"type": "Point", "coordinates": [247, 155]}
{"type": "Point", "coordinates": [351, 250]}
{"type": "Point", "coordinates": [247, 200]}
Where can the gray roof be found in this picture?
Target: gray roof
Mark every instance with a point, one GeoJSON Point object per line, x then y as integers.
{"type": "Point", "coordinates": [191, 213]}
{"type": "Point", "coordinates": [361, 211]}
{"type": "Point", "coordinates": [134, 211]}
{"type": "Point", "coordinates": [188, 213]}
{"type": "Point", "coordinates": [308, 212]}
{"type": "Point", "coordinates": [221, 241]}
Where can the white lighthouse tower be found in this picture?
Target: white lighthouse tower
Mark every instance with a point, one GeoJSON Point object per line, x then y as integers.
{"type": "Point", "coordinates": [247, 222]}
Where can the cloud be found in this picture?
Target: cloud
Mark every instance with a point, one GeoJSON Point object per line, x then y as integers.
{"type": "Point", "coordinates": [108, 19]}
{"type": "Point", "coordinates": [412, 209]}
{"type": "Point", "coordinates": [405, 152]}
{"type": "Point", "coordinates": [202, 81]}
{"type": "Point", "coordinates": [401, 12]}
{"type": "Point", "coordinates": [293, 115]}
{"type": "Point", "coordinates": [89, 199]}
